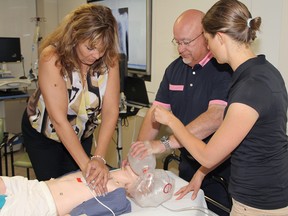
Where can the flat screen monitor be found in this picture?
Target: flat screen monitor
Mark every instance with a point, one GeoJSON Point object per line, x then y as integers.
{"type": "Point", "coordinates": [10, 49]}
{"type": "Point", "coordinates": [135, 92]}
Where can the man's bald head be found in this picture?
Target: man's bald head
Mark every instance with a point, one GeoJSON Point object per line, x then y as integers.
{"type": "Point", "coordinates": [188, 35]}
{"type": "Point", "coordinates": [190, 19]}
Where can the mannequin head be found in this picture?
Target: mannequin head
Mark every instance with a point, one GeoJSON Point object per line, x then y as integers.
{"type": "Point", "coordinates": [152, 187]}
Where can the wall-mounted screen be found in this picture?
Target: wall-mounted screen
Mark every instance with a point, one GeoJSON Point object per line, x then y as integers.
{"type": "Point", "coordinates": [134, 25]}
{"type": "Point", "coordinates": [10, 49]}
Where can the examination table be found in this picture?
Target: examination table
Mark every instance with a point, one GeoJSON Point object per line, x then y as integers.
{"type": "Point", "coordinates": [172, 207]}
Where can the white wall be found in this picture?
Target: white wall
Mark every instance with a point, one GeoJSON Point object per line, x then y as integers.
{"type": "Point", "coordinates": [65, 6]}
{"type": "Point", "coordinates": [48, 11]}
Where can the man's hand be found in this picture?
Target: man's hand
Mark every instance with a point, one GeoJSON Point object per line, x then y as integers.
{"type": "Point", "coordinates": [142, 149]}
{"type": "Point", "coordinates": [139, 148]}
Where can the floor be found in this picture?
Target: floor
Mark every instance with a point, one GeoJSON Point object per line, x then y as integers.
{"type": "Point", "coordinates": [18, 170]}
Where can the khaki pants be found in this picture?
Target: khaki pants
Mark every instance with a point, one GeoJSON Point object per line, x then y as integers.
{"type": "Point", "coordinates": [239, 209]}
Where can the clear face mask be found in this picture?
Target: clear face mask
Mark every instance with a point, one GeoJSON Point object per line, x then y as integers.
{"type": "Point", "coordinates": [141, 166]}
{"type": "Point", "coordinates": [154, 186]}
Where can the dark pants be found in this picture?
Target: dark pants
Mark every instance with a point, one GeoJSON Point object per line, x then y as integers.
{"type": "Point", "coordinates": [50, 159]}
{"type": "Point", "coordinates": [211, 187]}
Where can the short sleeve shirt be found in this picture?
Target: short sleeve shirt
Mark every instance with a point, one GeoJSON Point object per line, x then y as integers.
{"type": "Point", "coordinates": [188, 91]}
{"type": "Point", "coordinates": [259, 165]}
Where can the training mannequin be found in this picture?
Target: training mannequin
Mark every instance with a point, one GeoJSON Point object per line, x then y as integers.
{"type": "Point", "coordinates": [59, 196]}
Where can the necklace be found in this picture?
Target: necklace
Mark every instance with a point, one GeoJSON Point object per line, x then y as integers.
{"type": "Point", "coordinates": [84, 77]}
{"type": "Point", "coordinates": [84, 74]}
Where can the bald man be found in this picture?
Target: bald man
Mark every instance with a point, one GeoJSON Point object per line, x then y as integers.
{"type": "Point", "coordinates": [194, 88]}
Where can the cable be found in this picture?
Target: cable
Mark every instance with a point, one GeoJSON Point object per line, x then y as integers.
{"type": "Point", "coordinates": [24, 73]}
{"type": "Point", "coordinates": [206, 211]}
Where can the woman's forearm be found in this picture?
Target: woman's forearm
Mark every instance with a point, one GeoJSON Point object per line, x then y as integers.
{"type": "Point", "coordinates": [72, 144]}
{"type": "Point", "coordinates": [106, 130]}
{"type": "Point", "coordinates": [188, 140]}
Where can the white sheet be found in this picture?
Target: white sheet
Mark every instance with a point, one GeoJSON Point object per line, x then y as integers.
{"type": "Point", "coordinates": [183, 207]}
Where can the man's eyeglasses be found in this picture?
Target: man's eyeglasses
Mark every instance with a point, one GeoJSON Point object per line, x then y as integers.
{"type": "Point", "coordinates": [185, 42]}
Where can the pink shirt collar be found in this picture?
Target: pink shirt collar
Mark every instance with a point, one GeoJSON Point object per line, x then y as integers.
{"type": "Point", "coordinates": [206, 59]}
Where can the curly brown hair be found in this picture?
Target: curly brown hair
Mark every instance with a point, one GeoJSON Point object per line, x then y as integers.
{"type": "Point", "coordinates": [91, 22]}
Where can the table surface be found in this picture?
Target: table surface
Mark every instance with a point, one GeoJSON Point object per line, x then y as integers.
{"type": "Point", "coordinates": [2, 97]}
{"type": "Point", "coordinates": [172, 207]}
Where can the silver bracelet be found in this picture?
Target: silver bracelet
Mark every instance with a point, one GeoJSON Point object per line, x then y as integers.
{"type": "Point", "coordinates": [98, 156]}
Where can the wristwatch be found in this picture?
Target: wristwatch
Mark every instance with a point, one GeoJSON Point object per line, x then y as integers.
{"type": "Point", "coordinates": [166, 142]}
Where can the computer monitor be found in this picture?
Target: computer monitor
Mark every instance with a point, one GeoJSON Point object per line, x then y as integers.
{"type": "Point", "coordinates": [135, 92]}
{"type": "Point", "coordinates": [10, 50]}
